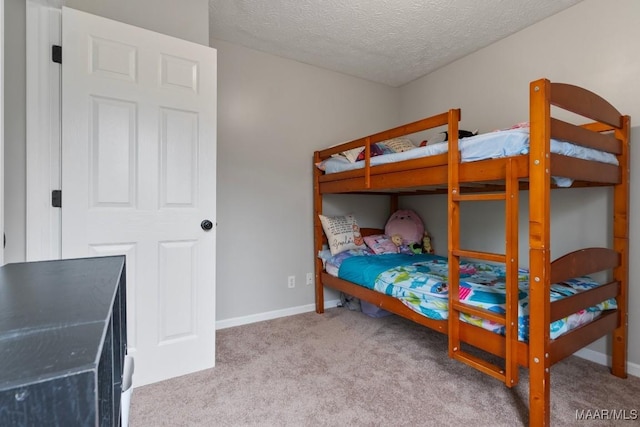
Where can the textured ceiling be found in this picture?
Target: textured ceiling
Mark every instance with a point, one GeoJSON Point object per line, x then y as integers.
{"type": "Point", "coordinates": [386, 41]}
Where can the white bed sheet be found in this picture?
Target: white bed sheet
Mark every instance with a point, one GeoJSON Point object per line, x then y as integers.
{"type": "Point", "coordinates": [492, 145]}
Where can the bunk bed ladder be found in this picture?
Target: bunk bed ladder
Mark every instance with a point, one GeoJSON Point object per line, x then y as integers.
{"type": "Point", "coordinates": [508, 374]}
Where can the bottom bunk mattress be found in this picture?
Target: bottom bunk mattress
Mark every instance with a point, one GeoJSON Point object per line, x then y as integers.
{"type": "Point", "coordinates": [420, 282]}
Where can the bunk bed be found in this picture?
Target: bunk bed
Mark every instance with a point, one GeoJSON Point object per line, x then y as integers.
{"type": "Point", "coordinates": [503, 178]}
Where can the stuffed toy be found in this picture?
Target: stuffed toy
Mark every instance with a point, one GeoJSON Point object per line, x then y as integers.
{"type": "Point", "coordinates": [416, 248]}
{"type": "Point", "coordinates": [444, 136]}
{"type": "Point", "coordinates": [357, 236]}
{"type": "Point", "coordinates": [397, 240]}
{"type": "Point", "coordinates": [407, 224]}
{"type": "Point", "coordinates": [426, 244]}
{"type": "Point", "coordinates": [424, 247]}
{"type": "Point", "coordinates": [401, 247]}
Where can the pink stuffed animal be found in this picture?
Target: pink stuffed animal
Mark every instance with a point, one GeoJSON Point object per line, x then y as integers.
{"type": "Point", "coordinates": [407, 224]}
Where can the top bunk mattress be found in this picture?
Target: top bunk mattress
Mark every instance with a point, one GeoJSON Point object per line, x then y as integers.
{"type": "Point", "coordinates": [492, 145]}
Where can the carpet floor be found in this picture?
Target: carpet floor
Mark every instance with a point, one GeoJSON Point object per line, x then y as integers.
{"type": "Point", "coordinates": [344, 368]}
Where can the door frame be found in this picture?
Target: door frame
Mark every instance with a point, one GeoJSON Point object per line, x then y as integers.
{"type": "Point", "coordinates": [2, 128]}
{"type": "Point", "coordinates": [43, 135]}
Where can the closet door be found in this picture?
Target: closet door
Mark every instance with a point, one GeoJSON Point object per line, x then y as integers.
{"type": "Point", "coordinates": [139, 178]}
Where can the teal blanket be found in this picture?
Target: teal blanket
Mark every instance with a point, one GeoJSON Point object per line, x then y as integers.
{"type": "Point", "coordinates": [364, 270]}
{"type": "Point", "coordinates": [421, 283]}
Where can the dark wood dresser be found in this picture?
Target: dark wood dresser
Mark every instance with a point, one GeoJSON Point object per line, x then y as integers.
{"type": "Point", "coordinates": [62, 342]}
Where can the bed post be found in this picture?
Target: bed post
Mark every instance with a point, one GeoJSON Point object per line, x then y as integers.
{"type": "Point", "coordinates": [317, 234]}
{"type": "Point", "coordinates": [539, 252]}
{"type": "Point", "coordinates": [621, 245]}
{"type": "Point", "coordinates": [393, 203]}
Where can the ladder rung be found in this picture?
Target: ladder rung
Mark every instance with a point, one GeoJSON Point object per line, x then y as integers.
{"type": "Point", "coordinates": [479, 312]}
{"type": "Point", "coordinates": [479, 197]}
{"type": "Point", "coordinates": [487, 256]}
{"type": "Point", "coordinates": [480, 364]}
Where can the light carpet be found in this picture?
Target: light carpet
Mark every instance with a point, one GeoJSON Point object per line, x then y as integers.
{"type": "Point", "coordinates": [343, 368]}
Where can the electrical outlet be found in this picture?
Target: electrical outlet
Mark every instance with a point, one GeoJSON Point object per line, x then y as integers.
{"type": "Point", "coordinates": [291, 281]}
{"type": "Point", "coordinates": [309, 278]}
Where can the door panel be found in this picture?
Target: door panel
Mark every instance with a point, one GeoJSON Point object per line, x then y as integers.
{"type": "Point", "coordinates": [112, 153]}
{"type": "Point", "coordinates": [138, 177]}
{"type": "Point", "coordinates": [178, 151]}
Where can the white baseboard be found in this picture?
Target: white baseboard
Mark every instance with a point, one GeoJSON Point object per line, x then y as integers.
{"type": "Point", "coordinates": [603, 359]}
{"type": "Point", "coordinates": [245, 320]}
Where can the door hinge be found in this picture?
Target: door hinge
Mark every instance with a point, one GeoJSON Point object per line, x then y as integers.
{"type": "Point", "coordinates": [56, 53]}
{"type": "Point", "coordinates": [56, 198]}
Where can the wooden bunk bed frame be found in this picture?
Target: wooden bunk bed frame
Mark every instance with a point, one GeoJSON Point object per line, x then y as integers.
{"type": "Point", "coordinates": [502, 179]}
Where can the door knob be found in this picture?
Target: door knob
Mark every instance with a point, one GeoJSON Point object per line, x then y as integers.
{"type": "Point", "coordinates": [206, 225]}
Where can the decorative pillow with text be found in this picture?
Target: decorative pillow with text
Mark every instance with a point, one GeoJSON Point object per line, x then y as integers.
{"type": "Point", "coordinates": [343, 233]}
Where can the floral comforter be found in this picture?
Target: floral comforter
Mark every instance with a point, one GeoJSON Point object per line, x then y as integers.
{"type": "Point", "coordinates": [420, 282]}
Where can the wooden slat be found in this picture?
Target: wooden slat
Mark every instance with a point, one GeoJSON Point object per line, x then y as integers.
{"type": "Point", "coordinates": [584, 170]}
{"type": "Point", "coordinates": [367, 163]}
{"type": "Point", "coordinates": [491, 342]}
{"type": "Point", "coordinates": [574, 303]}
{"type": "Point", "coordinates": [408, 129]}
{"type": "Point", "coordinates": [579, 135]}
{"type": "Point", "coordinates": [370, 231]}
{"type": "Point", "coordinates": [417, 126]}
{"type": "Point", "coordinates": [585, 103]}
{"type": "Point", "coordinates": [341, 176]}
{"type": "Point", "coordinates": [480, 364]}
{"type": "Point", "coordinates": [318, 236]}
{"type": "Point", "coordinates": [479, 312]}
{"type": "Point", "coordinates": [598, 127]}
{"type": "Point", "coordinates": [583, 262]}
{"type": "Point", "coordinates": [491, 169]}
{"type": "Point", "coordinates": [479, 197]}
{"type": "Point", "coordinates": [411, 164]}
{"type": "Point", "coordinates": [393, 203]}
{"type": "Point", "coordinates": [386, 302]}
{"type": "Point", "coordinates": [433, 176]}
{"type": "Point", "coordinates": [573, 341]}
{"type": "Point", "coordinates": [404, 166]}
{"type": "Point", "coordinates": [486, 256]}
{"type": "Point", "coordinates": [348, 185]}
{"type": "Point", "coordinates": [386, 183]}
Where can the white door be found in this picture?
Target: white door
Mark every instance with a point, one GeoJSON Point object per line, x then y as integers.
{"type": "Point", "coordinates": [139, 177]}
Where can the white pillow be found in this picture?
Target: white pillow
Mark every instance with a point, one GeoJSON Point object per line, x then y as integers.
{"type": "Point", "coordinates": [399, 145]}
{"type": "Point", "coordinates": [350, 155]}
{"type": "Point", "coordinates": [343, 233]}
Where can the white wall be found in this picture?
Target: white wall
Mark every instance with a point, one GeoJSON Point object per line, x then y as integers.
{"type": "Point", "coordinates": [272, 114]}
{"type": "Point", "coordinates": [188, 20]}
{"type": "Point", "coordinates": [589, 45]}
{"type": "Point", "coordinates": [185, 19]}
